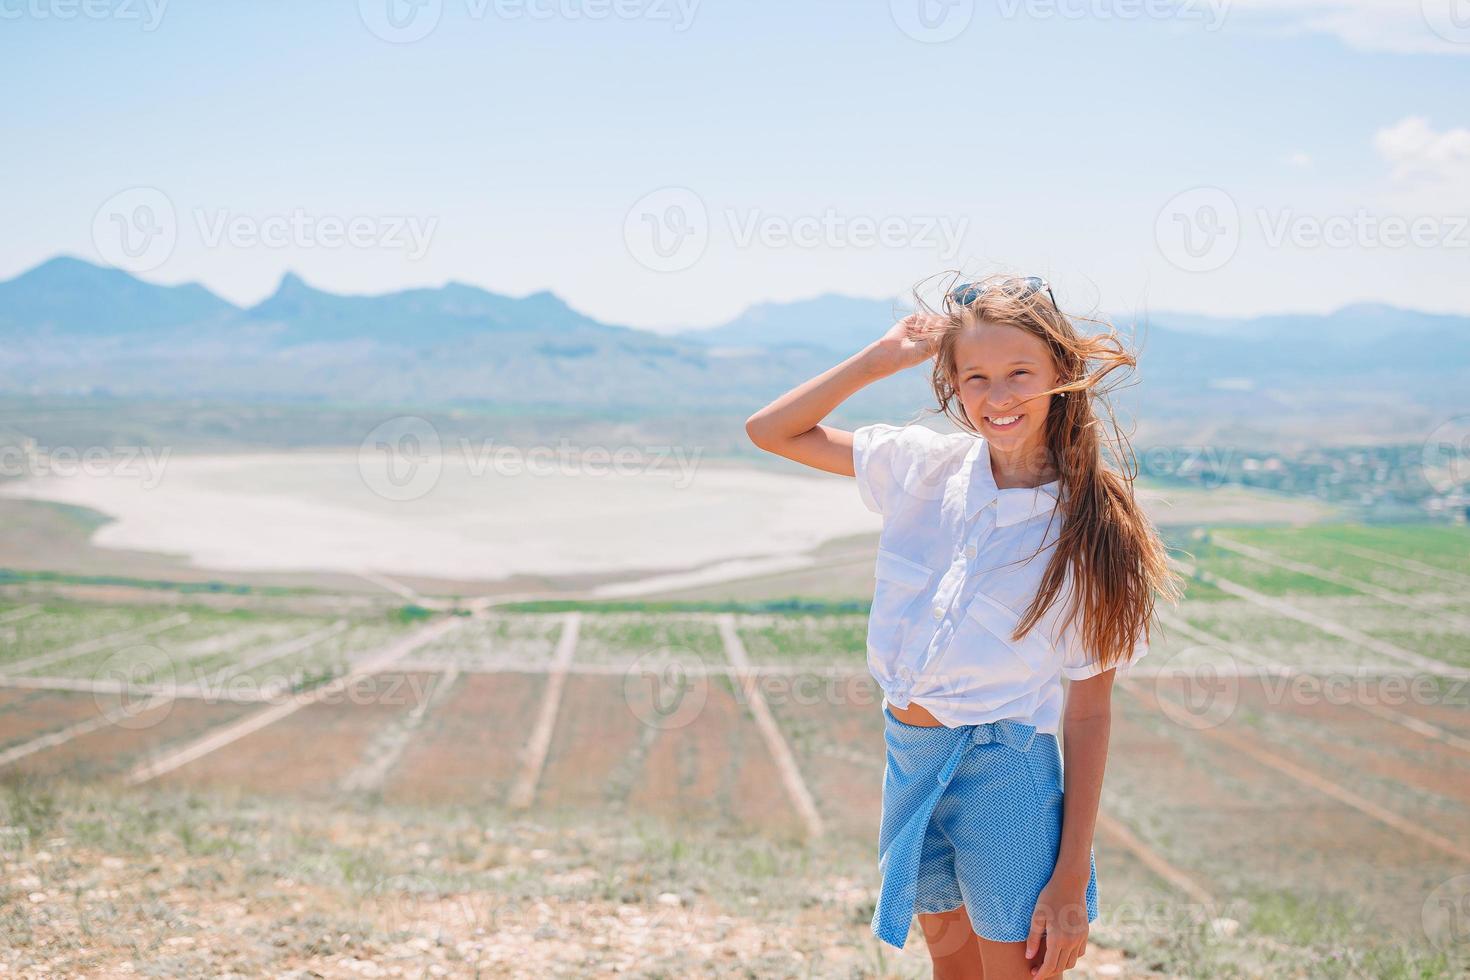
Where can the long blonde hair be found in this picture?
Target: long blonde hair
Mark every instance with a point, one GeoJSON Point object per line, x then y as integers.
{"type": "Point", "coordinates": [1112, 551]}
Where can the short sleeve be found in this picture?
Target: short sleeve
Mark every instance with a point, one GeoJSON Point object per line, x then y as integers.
{"type": "Point", "coordinates": [886, 458]}
{"type": "Point", "coordinates": [1078, 662]}
{"type": "Point", "coordinates": [1078, 665]}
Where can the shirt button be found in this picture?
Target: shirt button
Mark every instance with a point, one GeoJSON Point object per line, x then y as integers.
{"type": "Point", "coordinates": [970, 551]}
{"type": "Point", "coordinates": [938, 612]}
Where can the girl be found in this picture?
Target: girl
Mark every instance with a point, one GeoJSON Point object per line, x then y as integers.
{"type": "Point", "coordinates": [1011, 556]}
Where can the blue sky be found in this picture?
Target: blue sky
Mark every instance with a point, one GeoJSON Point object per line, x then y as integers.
{"type": "Point", "coordinates": [669, 162]}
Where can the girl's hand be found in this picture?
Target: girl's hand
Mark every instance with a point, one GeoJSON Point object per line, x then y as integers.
{"type": "Point", "coordinates": [1061, 914]}
{"type": "Point", "coordinates": [912, 340]}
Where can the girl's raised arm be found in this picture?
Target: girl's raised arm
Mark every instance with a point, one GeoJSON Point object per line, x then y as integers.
{"type": "Point", "coordinates": [790, 425]}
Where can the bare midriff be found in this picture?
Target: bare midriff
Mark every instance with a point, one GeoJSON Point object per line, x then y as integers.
{"type": "Point", "coordinates": [914, 714]}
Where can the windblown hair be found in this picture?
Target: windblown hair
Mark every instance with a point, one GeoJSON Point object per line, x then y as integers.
{"type": "Point", "coordinates": [1108, 554]}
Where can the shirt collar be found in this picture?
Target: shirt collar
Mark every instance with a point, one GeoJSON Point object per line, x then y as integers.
{"type": "Point", "coordinates": [1012, 504]}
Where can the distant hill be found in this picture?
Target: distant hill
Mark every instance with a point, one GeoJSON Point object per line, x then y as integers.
{"type": "Point", "coordinates": [67, 297]}
{"type": "Point", "coordinates": [457, 344]}
{"type": "Point", "coordinates": [1363, 373]}
{"type": "Point", "coordinates": [68, 326]}
{"type": "Point", "coordinates": [1362, 340]}
{"type": "Point", "coordinates": [831, 322]}
{"type": "Point", "coordinates": [1360, 323]}
{"type": "Point", "coordinates": [413, 317]}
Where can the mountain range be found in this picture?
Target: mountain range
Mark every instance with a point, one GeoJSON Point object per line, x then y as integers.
{"type": "Point", "coordinates": [68, 326]}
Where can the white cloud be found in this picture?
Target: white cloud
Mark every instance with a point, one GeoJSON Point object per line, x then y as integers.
{"type": "Point", "coordinates": [1418, 152]}
{"type": "Point", "coordinates": [1300, 160]}
{"type": "Point", "coordinates": [1428, 169]}
{"type": "Point", "coordinates": [1400, 26]}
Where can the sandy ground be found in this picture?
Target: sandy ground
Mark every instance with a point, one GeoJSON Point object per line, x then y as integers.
{"type": "Point", "coordinates": [669, 524]}
{"type": "Point", "coordinates": [471, 521]}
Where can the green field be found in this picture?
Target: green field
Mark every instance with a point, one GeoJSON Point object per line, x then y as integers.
{"type": "Point", "coordinates": [1314, 822]}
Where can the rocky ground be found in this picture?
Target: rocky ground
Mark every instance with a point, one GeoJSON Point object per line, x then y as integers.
{"type": "Point", "coordinates": [105, 883]}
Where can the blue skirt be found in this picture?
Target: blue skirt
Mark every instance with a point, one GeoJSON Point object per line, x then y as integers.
{"type": "Point", "coordinates": [972, 816]}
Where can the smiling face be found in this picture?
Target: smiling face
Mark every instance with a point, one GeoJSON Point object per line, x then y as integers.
{"type": "Point", "coordinates": [1001, 373]}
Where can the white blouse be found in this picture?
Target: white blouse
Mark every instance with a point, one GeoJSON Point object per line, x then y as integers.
{"type": "Point", "coordinates": [953, 578]}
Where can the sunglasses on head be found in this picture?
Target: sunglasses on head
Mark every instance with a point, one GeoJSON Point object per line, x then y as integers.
{"type": "Point", "coordinates": [967, 293]}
